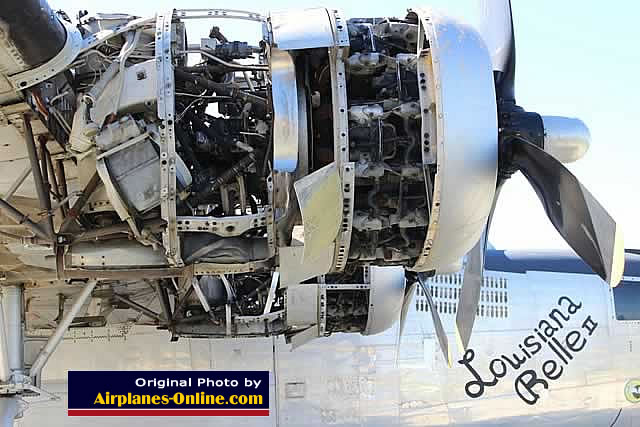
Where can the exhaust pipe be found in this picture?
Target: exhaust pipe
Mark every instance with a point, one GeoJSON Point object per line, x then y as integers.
{"type": "Point", "coordinates": [32, 30]}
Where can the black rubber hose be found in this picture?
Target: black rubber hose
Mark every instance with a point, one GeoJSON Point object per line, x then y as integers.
{"type": "Point", "coordinates": [185, 145]}
{"type": "Point", "coordinates": [215, 133]}
{"type": "Point", "coordinates": [260, 105]}
{"type": "Point", "coordinates": [235, 170]}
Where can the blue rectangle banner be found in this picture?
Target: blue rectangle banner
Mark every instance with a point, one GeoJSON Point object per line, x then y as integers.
{"type": "Point", "coordinates": [168, 393]}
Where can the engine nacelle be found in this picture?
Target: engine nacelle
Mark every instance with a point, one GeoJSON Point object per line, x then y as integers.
{"type": "Point", "coordinates": [369, 307]}
{"type": "Point", "coordinates": [279, 170]}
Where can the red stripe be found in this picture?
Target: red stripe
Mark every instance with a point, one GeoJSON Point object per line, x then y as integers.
{"type": "Point", "coordinates": [168, 412]}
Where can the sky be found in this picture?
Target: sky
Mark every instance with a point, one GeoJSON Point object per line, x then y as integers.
{"type": "Point", "coordinates": [575, 58]}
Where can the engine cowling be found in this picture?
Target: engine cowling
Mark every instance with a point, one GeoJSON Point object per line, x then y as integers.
{"type": "Point", "coordinates": [369, 305]}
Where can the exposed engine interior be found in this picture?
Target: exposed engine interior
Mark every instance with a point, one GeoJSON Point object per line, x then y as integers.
{"type": "Point", "coordinates": [284, 185]}
{"type": "Point", "coordinates": [185, 177]}
{"type": "Point", "coordinates": [159, 172]}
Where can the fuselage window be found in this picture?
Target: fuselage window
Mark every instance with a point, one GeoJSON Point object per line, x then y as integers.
{"type": "Point", "coordinates": [626, 297]}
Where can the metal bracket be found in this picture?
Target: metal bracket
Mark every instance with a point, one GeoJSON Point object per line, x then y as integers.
{"type": "Point", "coordinates": [219, 13]}
{"type": "Point", "coordinates": [339, 88]}
{"type": "Point", "coordinates": [271, 232]}
{"type": "Point", "coordinates": [340, 31]}
{"type": "Point", "coordinates": [26, 389]}
{"type": "Point", "coordinates": [222, 226]}
{"type": "Point", "coordinates": [116, 201]}
{"type": "Point", "coordinates": [427, 104]}
{"type": "Point", "coordinates": [272, 293]}
{"type": "Point", "coordinates": [343, 240]}
{"type": "Point", "coordinates": [346, 286]}
{"type": "Point", "coordinates": [269, 317]}
{"type": "Point", "coordinates": [207, 268]}
{"type": "Point", "coordinates": [322, 310]}
{"type": "Point", "coordinates": [104, 35]}
{"type": "Point", "coordinates": [166, 109]}
{"type": "Point", "coordinates": [339, 102]}
{"type": "Point", "coordinates": [271, 226]}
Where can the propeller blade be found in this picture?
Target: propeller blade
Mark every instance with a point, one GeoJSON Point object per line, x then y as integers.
{"type": "Point", "coordinates": [472, 280]}
{"type": "Point", "coordinates": [497, 30]}
{"type": "Point", "coordinates": [470, 293]}
{"type": "Point", "coordinates": [496, 26]}
{"type": "Point", "coordinates": [406, 303]}
{"type": "Point", "coordinates": [437, 323]}
{"type": "Point", "coordinates": [579, 218]}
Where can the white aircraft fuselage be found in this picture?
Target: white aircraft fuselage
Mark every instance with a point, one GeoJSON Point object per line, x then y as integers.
{"type": "Point", "coordinates": [548, 348]}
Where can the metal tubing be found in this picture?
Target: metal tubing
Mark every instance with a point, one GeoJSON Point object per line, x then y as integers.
{"type": "Point", "coordinates": [84, 274]}
{"type": "Point", "coordinates": [54, 182]}
{"type": "Point", "coordinates": [121, 228]}
{"type": "Point", "coordinates": [96, 234]}
{"type": "Point", "coordinates": [21, 218]}
{"type": "Point", "coordinates": [272, 293]}
{"type": "Point", "coordinates": [226, 176]}
{"type": "Point", "coordinates": [14, 237]}
{"type": "Point", "coordinates": [41, 190]}
{"type": "Point", "coordinates": [149, 273]}
{"type": "Point", "coordinates": [5, 371]}
{"type": "Point", "coordinates": [230, 65]}
{"type": "Point", "coordinates": [224, 89]}
{"type": "Point", "coordinates": [17, 183]}
{"type": "Point", "coordinates": [203, 300]}
{"type": "Point", "coordinates": [13, 320]}
{"type": "Point", "coordinates": [9, 408]}
{"type": "Point", "coordinates": [74, 212]}
{"type": "Point", "coordinates": [137, 307]}
{"type": "Point", "coordinates": [57, 336]}
{"type": "Point", "coordinates": [182, 303]}
{"type": "Point", "coordinates": [44, 166]}
{"type": "Point", "coordinates": [163, 296]}
{"type": "Point", "coordinates": [62, 182]}
{"type": "Point", "coordinates": [247, 78]}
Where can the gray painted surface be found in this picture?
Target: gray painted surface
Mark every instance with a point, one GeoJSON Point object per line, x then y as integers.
{"type": "Point", "coordinates": [380, 380]}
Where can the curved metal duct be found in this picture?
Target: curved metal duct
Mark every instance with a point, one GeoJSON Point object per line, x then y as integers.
{"type": "Point", "coordinates": [30, 34]}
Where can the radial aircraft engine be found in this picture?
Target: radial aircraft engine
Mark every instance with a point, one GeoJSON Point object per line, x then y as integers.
{"type": "Point", "coordinates": [299, 184]}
